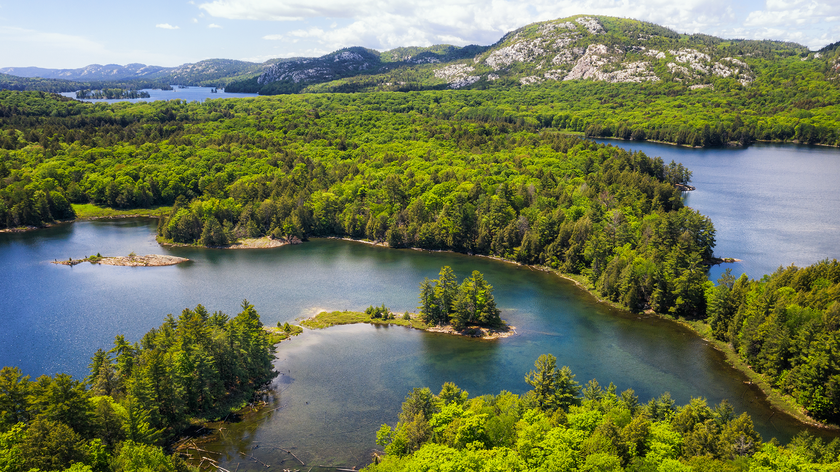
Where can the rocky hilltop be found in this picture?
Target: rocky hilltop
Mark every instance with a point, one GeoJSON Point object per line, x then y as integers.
{"type": "Point", "coordinates": [582, 47]}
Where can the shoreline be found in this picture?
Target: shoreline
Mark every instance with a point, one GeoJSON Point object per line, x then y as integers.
{"type": "Point", "coordinates": [776, 399]}
{"type": "Point", "coordinates": [263, 242]}
{"type": "Point", "coordinates": [149, 260]}
{"type": "Point", "coordinates": [730, 144]}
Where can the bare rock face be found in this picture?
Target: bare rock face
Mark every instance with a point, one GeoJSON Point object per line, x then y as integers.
{"type": "Point", "coordinates": [530, 80]}
{"type": "Point", "coordinates": [598, 57]}
{"type": "Point", "coordinates": [524, 51]}
{"type": "Point", "coordinates": [591, 24]}
{"type": "Point", "coordinates": [694, 65]}
{"type": "Point", "coordinates": [458, 75]}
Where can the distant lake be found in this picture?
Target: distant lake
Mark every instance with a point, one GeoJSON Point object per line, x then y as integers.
{"type": "Point", "coordinates": [190, 94]}
{"type": "Point", "coordinates": [772, 204]}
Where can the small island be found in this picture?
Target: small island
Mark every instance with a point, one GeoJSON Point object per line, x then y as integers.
{"type": "Point", "coordinates": [131, 260]}
{"type": "Point", "coordinates": [445, 307]}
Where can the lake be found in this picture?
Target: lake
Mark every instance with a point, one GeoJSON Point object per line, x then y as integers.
{"type": "Point", "coordinates": [190, 94]}
{"type": "Point", "coordinates": [772, 204]}
{"type": "Point", "coordinates": [337, 386]}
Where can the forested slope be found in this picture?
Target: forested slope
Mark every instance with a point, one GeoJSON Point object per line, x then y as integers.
{"type": "Point", "coordinates": [438, 170]}
{"type": "Point", "coordinates": [139, 396]}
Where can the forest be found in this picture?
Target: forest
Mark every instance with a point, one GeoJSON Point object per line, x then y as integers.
{"type": "Point", "coordinates": [443, 301]}
{"type": "Point", "coordinates": [561, 425]}
{"type": "Point", "coordinates": [434, 170]}
{"type": "Point", "coordinates": [138, 397]}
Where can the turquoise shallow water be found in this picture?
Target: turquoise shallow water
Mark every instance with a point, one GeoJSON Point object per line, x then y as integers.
{"type": "Point", "coordinates": [771, 206]}
{"type": "Point", "coordinates": [339, 385]}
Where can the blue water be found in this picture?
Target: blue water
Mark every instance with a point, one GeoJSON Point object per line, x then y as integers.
{"type": "Point", "coordinates": [190, 94]}
{"type": "Point", "coordinates": [54, 317]}
{"type": "Point", "coordinates": [772, 205]}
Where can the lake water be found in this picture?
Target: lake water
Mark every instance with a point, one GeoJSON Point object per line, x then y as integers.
{"type": "Point", "coordinates": [339, 385]}
{"type": "Point", "coordinates": [772, 205]}
{"type": "Point", "coordinates": [190, 94]}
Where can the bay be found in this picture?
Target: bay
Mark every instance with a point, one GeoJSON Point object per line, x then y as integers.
{"type": "Point", "coordinates": [337, 386]}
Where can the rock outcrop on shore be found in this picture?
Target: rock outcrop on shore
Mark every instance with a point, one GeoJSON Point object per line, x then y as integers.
{"type": "Point", "coordinates": [150, 260]}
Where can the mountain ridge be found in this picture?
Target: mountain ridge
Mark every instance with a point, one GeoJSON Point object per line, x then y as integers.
{"type": "Point", "coordinates": [589, 47]}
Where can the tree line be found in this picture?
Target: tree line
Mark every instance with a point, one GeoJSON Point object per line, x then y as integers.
{"type": "Point", "coordinates": [443, 301]}
{"type": "Point", "coordinates": [407, 169]}
{"type": "Point", "coordinates": [137, 397]}
{"type": "Point", "coordinates": [785, 326]}
{"type": "Point", "coordinates": [562, 425]}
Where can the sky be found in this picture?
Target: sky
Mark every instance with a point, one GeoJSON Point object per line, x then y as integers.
{"type": "Point", "coordinates": [53, 34]}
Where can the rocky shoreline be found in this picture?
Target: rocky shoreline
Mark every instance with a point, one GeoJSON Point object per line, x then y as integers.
{"type": "Point", "coordinates": [149, 260]}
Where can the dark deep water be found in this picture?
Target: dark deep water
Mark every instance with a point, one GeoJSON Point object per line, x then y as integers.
{"type": "Point", "coordinates": [337, 386]}
{"type": "Point", "coordinates": [772, 204]}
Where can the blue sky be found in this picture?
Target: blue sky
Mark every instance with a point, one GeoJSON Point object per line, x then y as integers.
{"type": "Point", "coordinates": [53, 34]}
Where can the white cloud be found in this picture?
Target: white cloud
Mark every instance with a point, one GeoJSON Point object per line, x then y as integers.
{"type": "Point", "coordinates": [813, 23]}
{"type": "Point", "coordinates": [384, 25]}
{"type": "Point", "coordinates": [166, 26]}
{"type": "Point", "coordinates": [213, 25]}
{"type": "Point", "coordinates": [195, 20]}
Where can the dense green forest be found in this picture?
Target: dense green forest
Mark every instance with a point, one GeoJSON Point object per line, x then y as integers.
{"type": "Point", "coordinates": [785, 326]}
{"type": "Point", "coordinates": [436, 170]}
{"type": "Point", "coordinates": [443, 301]}
{"type": "Point", "coordinates": [561, 425]}
{"type": "Point", "coordinates": [137, 397]}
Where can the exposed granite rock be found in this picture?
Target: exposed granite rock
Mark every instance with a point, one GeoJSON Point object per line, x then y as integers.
{"type": "Point", "coordinates": [524, 51]}
{"type": "Point", "coordinates": [555, 75]}
{"type": "Point", "coordinates": [654, 53]}
{"type": "Point", "coordinates": [591, 24]}
{"type": "Point", "coordinates": [597, 56]}
{"type": "Point", "coordinates": [530, 80]}
{"type": "Point", "coordinates": [568, 56]}
{"type": "Point", "coordinates": [457, 75]}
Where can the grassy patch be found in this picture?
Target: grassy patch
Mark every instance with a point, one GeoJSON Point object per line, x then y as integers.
{"type": "Point", "coordinates": [89, 210]}
{"type": "Point", "coordinates": [278, 334]}
{"type": "Point", "coordinates": [326, 319]}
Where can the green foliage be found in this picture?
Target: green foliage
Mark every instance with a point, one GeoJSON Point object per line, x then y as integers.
{"type": "Point", "coordinates": [140, 395]}
{"type": "Point", "coordinates": [553, 388]}
{"type": "Point", "coordinates": [785, 326]}
{"type": "Point", "coordinates": [603, 431]}
{"type": "Point", "coordinates": [445, 302]}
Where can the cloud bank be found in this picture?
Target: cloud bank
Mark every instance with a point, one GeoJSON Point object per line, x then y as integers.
{"type": "Point", "coordinates": [385, 25]}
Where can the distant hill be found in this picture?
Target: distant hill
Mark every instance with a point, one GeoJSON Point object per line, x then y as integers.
{"type": "Point", "coordinates": [91, 72]}
{"type": "Point", "coordinates": [597, 48]}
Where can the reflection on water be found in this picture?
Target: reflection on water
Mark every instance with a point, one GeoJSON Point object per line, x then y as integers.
{"type": "Point", "coordinates": [337, 386]}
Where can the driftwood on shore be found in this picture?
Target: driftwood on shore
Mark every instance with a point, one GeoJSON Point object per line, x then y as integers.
{"type": "Point", "coordinates": [150, 260]}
